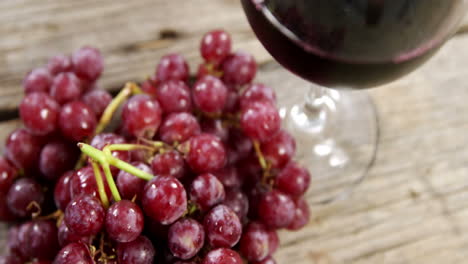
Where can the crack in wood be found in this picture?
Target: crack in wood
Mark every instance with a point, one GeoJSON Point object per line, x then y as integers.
{"type": "Point", "coordinates": [443, 203]}
{"type": "Point", "coordinates": [165, 37]}
{"type": "Point", "coordinates": [382, 250]}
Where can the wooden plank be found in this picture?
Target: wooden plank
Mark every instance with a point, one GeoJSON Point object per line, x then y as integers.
{"type": "Point", "coordinates": [131, 34]}
{"type": "Point", "coordinates": [412, 206]}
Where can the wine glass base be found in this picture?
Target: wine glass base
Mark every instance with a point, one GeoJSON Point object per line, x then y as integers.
{"type": "Point", "coordinates": [337, 141]}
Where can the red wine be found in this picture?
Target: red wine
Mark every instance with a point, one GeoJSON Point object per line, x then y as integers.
{"type": "Point", "coordinates": [352, 43]}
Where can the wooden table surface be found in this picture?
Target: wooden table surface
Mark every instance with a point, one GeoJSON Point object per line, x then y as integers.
{"type": "Point", "coordinates": [412, 208]}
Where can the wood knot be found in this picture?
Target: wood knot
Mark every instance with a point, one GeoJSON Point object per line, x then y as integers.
{"type": "Point", "coordinates": [169, 34]}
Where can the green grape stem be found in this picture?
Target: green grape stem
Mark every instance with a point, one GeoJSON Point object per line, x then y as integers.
{"type": "Point", "coordinates": [100, 185]}
{"type": "Point", "coordinates": [129, 90]}
{"type": "Point", "coordinates": [105, 157]}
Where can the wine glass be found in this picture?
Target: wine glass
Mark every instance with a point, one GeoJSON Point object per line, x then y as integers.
{"type": "Point", "coordinates": [339, 44]}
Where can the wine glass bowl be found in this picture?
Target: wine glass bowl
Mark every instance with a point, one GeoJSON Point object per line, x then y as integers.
{"type": "Point", "coordinates": [353, 43]}
{"type": "Point", "coordinates": [347, 45]}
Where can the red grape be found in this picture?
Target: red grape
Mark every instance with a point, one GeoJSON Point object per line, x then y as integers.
{"type": "Point", "coordinates": [16, 236]}
{"type": "Point", "coordinates": [301, 215]}
{"type": "Point", "coordinates": [24, 196]}
{"type": "Point", "coordinates": [257, 92]}
{"type": "Point", "coordinates": [139, 155]}
{"type": "Point", "coordinates": [232, 156]}
{"type": "Point", "coordinates": [13, 241]}
{"type": "Point", "coordinates": [97, 100]}
{"type": "Point", "coordinates": [88, 63]}
{"type": "Point", "coordinates": [255, 195]}
{"type": "Point", "coordinates": [6, 215]}
{"type": "Point", "coordinates": [58, 64]}
{"type": "Point", "coordinates": [260, 120]}
{"type": "Point", "coordinates": [186, 238]}
{"type": "Point", "coordinates": [279, 149]}
{"type": "Point", "coordinates": [222, 256]}
{"type": "Point", "coordinates": [223, 227]}
{"type": "Point", "coordinates": [169, 163]}
{"type": "Point", "coordinates": [74, 253]}
{"type": "Point", "coordinates": [232, 104]}
{"type": "Point", "coordinates": [207, 191]}
{"type": "Point", "coordinates": [139, 251]}
{"type": "Point", "coordinates": [149, 87]}
{"type": "Point", "coordinates": [250, 170]}
{"type": "Point", "coordinates": [178, 127]}
{"type": "Point", "coordinates": [172, 67]}
{"type": "Point", "coordinates": [56, 158]}
{"type": "Point", "coordinates": [238, 202]}
{"type": "Point", "coordinates": [87, 86]}
{"type": "Point", "coordinates": [83, 181]}
{"type": "Point", "coordinates": [39, 239]}
{"type": "Point", "coordinates": [209, 94]}
{"type": "Point", "coordinates": [164, 200]}
{"type": "Point", "coordinates": [84, 215]}
{"type": "Point", "coordinates": [240, 144]}
{"type": "Point", "coordinates": [62, 192]}
{"type": "Point", "coordinates": [269, 260]}
{"type": "Point", "coordinates": [77, 121]}
{"type": "Point", "coordinates": [66, 87]}
{"type": "Point", "coordinates": [130, 186]}
{"type": "Point", "coordinates": [273, 240]}
{"type": "Point", "coordinates": [141, 116]}
{"type": "Point", "coordinates": [38, 80]}
{"type": "Point", "coordinates": [23, 149]}
{"type": "Point", "coordinates": [65, 236]}
{"type": "Point", "coordinates": [215, 46]}
{"type": "Point", "coordinates": [293, 180]}
{"type": "Point", "coordinates": [39, 113]}
{"type": "Point", "coordinates": [174, 96]}
{"type": "Point", "coordinates": [206, 153]}
{"type": "Point", "coordinates": [102, 140]}
{"type": "Point", "coordinates": [239, 68]}
{"type": "Point", "coordinates": [215, 127]}
{"type": "Point", "coordinates": [229, 177]}
{"type": "Point", "coordinates": [276, 210]}
{"type": "Point", "coordinates": [254, 244]}
{"type": "Point", "coordinates": [8, 174]}
{"type": "Point", "coordinates": [124, 221]}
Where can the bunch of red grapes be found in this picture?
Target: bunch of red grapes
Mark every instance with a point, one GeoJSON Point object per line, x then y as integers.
{"type": "Point", "coordinates": [176, 170]}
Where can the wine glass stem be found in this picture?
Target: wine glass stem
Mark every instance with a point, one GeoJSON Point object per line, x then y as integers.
{"type": "Point", "coordinates": [314, 115]}
{"type": "Point", "coordinates": [315, 101]}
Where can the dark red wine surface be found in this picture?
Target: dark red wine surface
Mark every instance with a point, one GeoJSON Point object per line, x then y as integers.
{"type": "Point", "coordinates": [352, 43]}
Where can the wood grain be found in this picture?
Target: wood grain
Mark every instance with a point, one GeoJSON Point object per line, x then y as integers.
{"type": "Point", "coordinates": [412, 208]}
{"type": "Point", "coordinates": [133, 35]}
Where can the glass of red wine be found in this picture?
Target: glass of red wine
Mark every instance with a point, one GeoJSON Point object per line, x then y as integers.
{"type": "Point", "coordinates": [341, 46]}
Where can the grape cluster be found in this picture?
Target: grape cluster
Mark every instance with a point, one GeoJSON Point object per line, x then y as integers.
{"type": "Point", "coordinates": [196, 170]}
